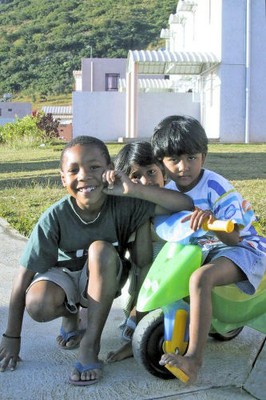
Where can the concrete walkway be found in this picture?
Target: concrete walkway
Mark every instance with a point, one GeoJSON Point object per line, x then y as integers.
{"type": "Point", "coordinates": [232, 370]}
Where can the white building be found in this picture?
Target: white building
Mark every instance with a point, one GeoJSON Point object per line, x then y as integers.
{"type": "Point", "coordinates": [100, 103]}
{"type": "Point", "coordinates": [233, 92]}
{"type": "Point", "coordinates": [97, 106]}
{"type": "Point", "coordinates": [214, 61]}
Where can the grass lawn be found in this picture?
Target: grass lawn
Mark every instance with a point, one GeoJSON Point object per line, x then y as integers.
{"type": "Point", "coordinates": [30, 180]}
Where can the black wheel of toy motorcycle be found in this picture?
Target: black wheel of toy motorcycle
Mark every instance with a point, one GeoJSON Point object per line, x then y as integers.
{"type": "Point", "coordinates": [147, 344]}
{"type": "Point", "coordinates": [223, 337]}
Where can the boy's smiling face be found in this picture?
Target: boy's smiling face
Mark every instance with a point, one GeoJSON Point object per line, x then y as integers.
{"type": "Point", "coordinates": [184, 170]}
{"type": "Point", "coordinates": [82, 170]}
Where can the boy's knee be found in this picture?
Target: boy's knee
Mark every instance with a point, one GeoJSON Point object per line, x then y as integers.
{"type": "Point", "coordinates": [103, 260]}
{"type": "Point", "coordinates": [37, 309]}
{"type": "Point", "coordinates": [199, 279]}
{"type": "Point", "coordinates": [102, 252]}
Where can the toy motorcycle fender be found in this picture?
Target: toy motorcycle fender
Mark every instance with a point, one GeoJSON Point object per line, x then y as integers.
{"type": "Point", "coordinates": [166, 292]}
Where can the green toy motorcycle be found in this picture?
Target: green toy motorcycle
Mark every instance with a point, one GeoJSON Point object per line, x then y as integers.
{"type": "Point", "coordinates": [165, 296]}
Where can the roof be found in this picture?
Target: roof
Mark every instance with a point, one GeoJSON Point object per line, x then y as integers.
{"type": "Point", "coordinates": [171, 62]}
{"type": "Point", "coordinates": [145, 84]}
{"type": "Point", "coordinates": [186, 5]}
{"type": "Point", "coordinates": [58, 110]}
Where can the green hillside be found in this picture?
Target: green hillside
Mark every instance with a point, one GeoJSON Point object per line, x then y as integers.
{"type": "Point", "coordinates": [43, 41]}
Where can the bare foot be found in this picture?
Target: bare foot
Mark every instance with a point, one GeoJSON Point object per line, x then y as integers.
{"type": "Point", "coordinates": [122, 353]}
{"type": "Point", "coordinates": [188, 364]}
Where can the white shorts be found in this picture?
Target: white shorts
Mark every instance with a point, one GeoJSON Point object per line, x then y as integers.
{"type": "Point", "coordinates": [74, 284]}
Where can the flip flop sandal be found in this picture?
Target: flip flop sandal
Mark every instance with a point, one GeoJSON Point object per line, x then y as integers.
{"type": "Point", "coordinates": [129, 325]}
{"type": "Point", "coordinates": [69, 335]}
{"type": "Point", "coordinates": [84, 368]}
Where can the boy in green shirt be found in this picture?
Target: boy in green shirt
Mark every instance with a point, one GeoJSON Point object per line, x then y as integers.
{"type": "Point", "coordinates": [76, 250]}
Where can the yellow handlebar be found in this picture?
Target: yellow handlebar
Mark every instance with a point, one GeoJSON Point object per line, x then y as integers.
{"type": "Point", "coordinates": [217, 225]}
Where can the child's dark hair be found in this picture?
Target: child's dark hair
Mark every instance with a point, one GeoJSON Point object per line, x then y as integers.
{"type": "Point", "coordinates": [135, 153]}
{"type": "Point", "coordinates": [176, 135]}
{"type": "Point", "coordinates": [86, 141]}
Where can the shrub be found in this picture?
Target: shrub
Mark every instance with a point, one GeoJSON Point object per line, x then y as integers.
{"type": "Point", "coordinates": [48, 125]}
{"type": "Point", "coordinates": [22, 131]}
{"type": "Point", "coordinates": [30, 130]}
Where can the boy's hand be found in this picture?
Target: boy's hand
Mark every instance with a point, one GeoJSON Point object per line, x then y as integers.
{"type": "Point", "coordinates": [197, 217]}
{"type": "Point", "coordinates": [9, 353]}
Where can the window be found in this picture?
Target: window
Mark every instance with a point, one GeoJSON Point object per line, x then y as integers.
{"type": "Point", "coordinates": [111, 82]}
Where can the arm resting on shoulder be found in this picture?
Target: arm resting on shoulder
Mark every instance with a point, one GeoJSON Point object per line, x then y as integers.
{"type": "Point", "coordinates": [166, 200]}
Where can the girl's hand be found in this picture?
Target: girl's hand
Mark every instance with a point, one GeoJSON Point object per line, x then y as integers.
{"type": "Point", "coordinates": [197, 217]}
{"type": "Point", "coordinates": [117, 183]}
{"type": "Point", "coordinates": [167, 201]}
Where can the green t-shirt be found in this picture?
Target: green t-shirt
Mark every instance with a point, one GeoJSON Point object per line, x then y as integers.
{"type": "Point", "coordinates": [61, 238]}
